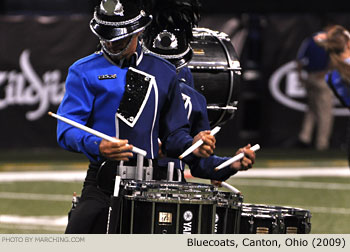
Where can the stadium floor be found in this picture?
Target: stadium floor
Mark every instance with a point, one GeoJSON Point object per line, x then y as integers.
{"type": "Point", "coordinates": [36, 193]}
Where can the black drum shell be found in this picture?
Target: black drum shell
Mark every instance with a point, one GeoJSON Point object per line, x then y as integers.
{"type": "Point", "coordinates": [216, 72]}
{"type": "Point", "coordinates": [144, 217]}
{"type": "Point", "coordinates": [275, 219]}
{"type": "Point", "coordinates": [228, 213]}
{"type": "Point", "coordinates": [160, 207]}
{"type": "Point", "coordinates": [258, 224]}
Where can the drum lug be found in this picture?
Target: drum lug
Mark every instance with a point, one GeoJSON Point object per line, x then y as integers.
{"type": "Point", "coordinates": [251, 222]}
{"type": "Point", "coordinates": [276, 226]}
{"type": "Point", "coordinates": [122, 170]}
{"type": "Point", "coordinates": [282, 226]}
{"type": "Point", "coordinates": [149, 170]}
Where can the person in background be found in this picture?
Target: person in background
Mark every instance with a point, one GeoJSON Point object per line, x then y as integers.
{"type": "Point", "coordinates": [168, 37]}
{"type": "Point", "coordinates": [336, 41]}
{"type": "Point", "coordinates": [313, 60]}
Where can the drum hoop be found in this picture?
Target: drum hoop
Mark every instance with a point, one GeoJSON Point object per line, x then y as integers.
{"type": "Point", "coordinates": [176, 56]}
{"type": "Point", "coordinates": [251, 214]}
{"type": "Point", "coordinates": [228, 58]}
{"type": "Point", "coordinates": [282, 211]}
{"type": "Point", "coordinates": [172, 200]}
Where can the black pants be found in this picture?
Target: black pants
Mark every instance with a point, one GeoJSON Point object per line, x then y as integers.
{"type": "Point", "coordinates": [91, 213]}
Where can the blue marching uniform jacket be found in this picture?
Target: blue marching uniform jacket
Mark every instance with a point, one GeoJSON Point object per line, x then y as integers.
{"type": "Point", "coordinates": [196, 107]}
{"type": "Point", "coordinates": [312, 57]}
{"type": "Point", "coordinates": [339, 87]}
{"type": "Point", "coordinates": [140, 103]}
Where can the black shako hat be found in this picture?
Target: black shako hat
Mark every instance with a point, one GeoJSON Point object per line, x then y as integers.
{"type": "Point", "coordinates": [170, 44]}
{"type": "Point", "coordinates": [170, 32]}
{"type": "Point", "coordinates": [117, 19]}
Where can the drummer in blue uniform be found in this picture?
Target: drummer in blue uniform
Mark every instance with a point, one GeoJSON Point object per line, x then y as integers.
{"type": "Point", "coordinates": [169, 37]}
{"type": "Point", "coordinates": [123, 92]}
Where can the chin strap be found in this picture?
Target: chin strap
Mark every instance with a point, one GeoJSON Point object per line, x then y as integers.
{"type": "Point", "coordinates": [105, 49]}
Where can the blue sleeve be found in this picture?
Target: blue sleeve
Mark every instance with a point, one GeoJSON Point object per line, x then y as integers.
{"type": "Point", "coordinates": [77, 105]}
{"type": "Point", "coordinates": [302, 51]}
{"type": "Point", "coordinates": [204, 168]}
{"type": "Point", "coordinates": [199, 120]}
{"type": "Point", "coordinates": [174, 126]}
{"type": "Point", "coordinates": [186, 75]}
{"type": "Point", "coordinates": [340, 88]}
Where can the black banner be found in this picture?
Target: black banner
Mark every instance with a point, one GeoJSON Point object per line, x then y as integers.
{"type": "Point", "coordinates": [35, 55]}
{"type": "Point", "coordinates": [37, 51]}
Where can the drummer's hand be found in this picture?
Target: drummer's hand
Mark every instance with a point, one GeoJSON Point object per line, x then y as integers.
{"type": "Point", "coordinates": [119, 151]}
{"type": "Point", "coordinates": [247, 161]}
{"type": "Point", "coordinates": [208, 146]}
{"type": "Point", "coordinates": [216, 183]}
{"type": "Point", "coordinates": [320, 37]}
{"type": "Point", "coordinates": [160, 153]}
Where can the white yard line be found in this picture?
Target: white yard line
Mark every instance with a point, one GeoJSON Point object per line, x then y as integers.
{"type": "Point", "coordinates": [290, 184]}
{"type": "Point", "coordinates": [64, 176]}
{"type": "Point", "coordinates": [34, 228]}
{"type": "Point", "coordinates": [34, 220]}
{"type": "Point", "coordinates": [35, 196]}
{"type": "Point", "coordinates": [290, 172]}
{"type": "Point", "coordinates": [296, 172]}
{"type": "Point", "coordinates": [259, 172]}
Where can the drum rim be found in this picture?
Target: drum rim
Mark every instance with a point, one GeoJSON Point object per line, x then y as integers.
{"type": "Point", "coordinates": [230, 56]}
{"type": "Point", "coordinates": [171, 200]}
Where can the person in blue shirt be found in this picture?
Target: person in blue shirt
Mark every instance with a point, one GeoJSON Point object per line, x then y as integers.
{"type": "Point", "coordinates": [124, 92]}
{"type": "Point", "coordinates": [168, 37]}
{"type": "Point", "coordinates": [313, 60]}
{"type": "Point", "coordinates": [336, 41]}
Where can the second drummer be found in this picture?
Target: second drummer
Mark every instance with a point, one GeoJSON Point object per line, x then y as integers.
{"type": "Point", "coordinates": [169, 36]}
{"type": "Point", "coordinates": [116, 91]}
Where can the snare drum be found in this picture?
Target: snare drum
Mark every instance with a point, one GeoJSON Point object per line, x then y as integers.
{"type": "Point", "coordinates": [228, 213]}
{"type": "Point", "coordinates": [257, 219]}
{"type": "Point", "coordinates": [216, 72]}
{"type": "Point", "coordinates": [274, 220]}
{"type": "Point", "coordinates": [294, 220]}
{"type": "Point", "coordinates": [157, 207]}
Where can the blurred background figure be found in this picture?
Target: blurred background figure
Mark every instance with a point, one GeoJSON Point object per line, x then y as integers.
{"type": "Point", "coordinates": [313, 64]}
{"type": "Point", "coordinates": [337, 43]}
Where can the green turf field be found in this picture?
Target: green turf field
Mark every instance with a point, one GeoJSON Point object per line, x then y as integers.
{"type": "Point", "coordinates": [327, 198]}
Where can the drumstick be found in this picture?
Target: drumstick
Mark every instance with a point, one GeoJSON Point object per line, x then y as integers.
{"type": "Point", "coordinates": [236, 158]}
{"type": "Point", "coordinates": [95, 132]}
{"type": "Point", "coordinates": [230, 187]}
{"type": "Point", "coordinates": [198, 143]}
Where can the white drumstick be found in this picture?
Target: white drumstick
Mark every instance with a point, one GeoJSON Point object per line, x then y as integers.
{"type": "Point", "coordinates": [95, 132]}
{"type": "Point", "coordinates": [198, 143]}
{"type": "Point", "coordinates": [230, 187]}
{"type": "Point", "coordinates": [236, 158]}
{"type": "Point", "coordinates": [116, 186]}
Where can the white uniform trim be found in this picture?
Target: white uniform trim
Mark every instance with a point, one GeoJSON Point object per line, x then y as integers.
{"type": "Point", "coordinates": [132, 124]}
{"type": "Point", "coordinates": [154, 84]}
